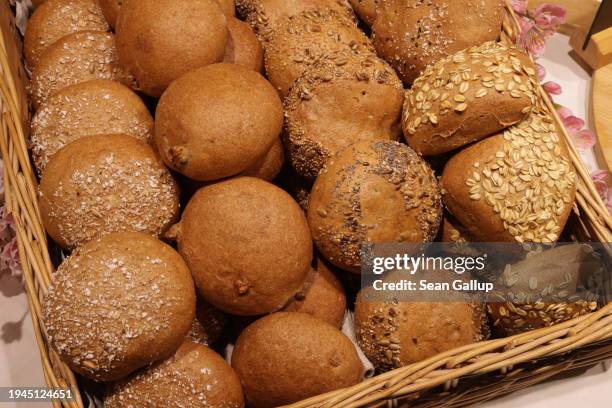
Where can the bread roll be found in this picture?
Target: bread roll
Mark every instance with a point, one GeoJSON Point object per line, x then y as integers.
{"type": "Point", "coordinates": [76, 58]}
{"type": "Point", "coordinates": [57, 18]}
{"type": "Point", "coordinates": [468, 96]}
{"type": "Point", "coordinates": [87, 109]}
{"type": "Point", "coordinates": [270, 165]}
{"type": "Point", "coordinates": [160, 40]}
{"type": "Point", "coordinates": [413, 34]}
{"type": "Point", "coordinates": [366, 10]}
{"type": "Point", "coordinates": [228, 7]}
{"type": "Point", "coordinates": [102, 184]}
{"type": "Point", "coordinates": [266, 16]}
{"type": "Point", "coordinates": [516, 186]}
{"type": "Point", "coordinates": [373, 191]}
{"type": "Point", "coordinates": [330, 107]}
{"type": "Point", "coordinates": [452, 231]}
{"type": "Point", "coordinates": [208, 324]}
{"type": "Point", "coordinates": [243, 117]}
{"type": "Point", "coordinates": [261, 253]}
{"type": "Point", "coordinates": [242, 46]}
{"type": "Point", "coordinates": [117, 304]}
{"type": "Point", "coordinates": [110, 9]}
{"type": "Point", "coordinates": [307, 38]}
{"type": "Point", "coordinates": [287, 357]}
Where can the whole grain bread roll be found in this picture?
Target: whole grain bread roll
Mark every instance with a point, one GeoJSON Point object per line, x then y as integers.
{"type": "Point", "coordinates": [516, 186]}
{"type": "Point", "coordinates": [266, 16]}
{"type": "Point", "coordinates": [111, 9]}
{"type": "Point", "coordinates": [158, 41]}
{"type": "Point", "coordinates": [103, 184]}
{"type": "Point", "coordinates": [287, 357]}
{"type": "Point", "coordinates": [373, 191]}
{"type": "Point", "coordinates": [117, 304]}
{"type": "Point", "coordinates": [452, 231]}
{"type": "Point", "coordinates": [243, 117]}
{"type": "Point", "coordinates": [57, 18]}
{"type": "Point", "coordinates": [208, 324]}
{"type": "Point", "coordinates": [261, 252]}
{"type": "Point", "coordinates": [307, 38]}
{"type": "Point", "coordinates": [270, 165]}
{"type": "Point", "coordinates": [87, 109]}
{"type": "Point", "coordinates": [76, 58]}
{"type": "Point", "coordinates": [366, 10]}
{"type": "Point", "coordinates": [242, 46]}
{"type": "Point", "coordinates": [468, 96]}
{"type": "Point", "coordinates": [195, 376]}
{"type": "Point", "coordinates": [411, 34]}
{"type": "Point", "coordinates": [330, 107]}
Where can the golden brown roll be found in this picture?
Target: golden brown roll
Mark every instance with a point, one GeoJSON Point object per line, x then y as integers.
{"type": "Point", "coordinates": [266, 16]}
{"type": "Point", "coordinates": [87, 109]}
{"type": "Point", "coordinates": [287, 357]}
{"type": "Point", "coordinates": [160, 40]}
{"type": "Point", "coordinates": [117, 304]}
{"type": "Point", "coordinates": [57, 18]}
{"type": "Point", "coordinates": [261, 253]}
{"type": "Point", "coordinates": [366, 10]}
{"type": "Point", "coordinates": [76, 58]}
{"type": "Point", "coordinates": [330, 107]}
{"type": "Point", "coordinates": [195, 376]}
{"type": "Point", "coordinates": [110, 9]}
{"type": "Point", "coordinates": [373, 191]}
{"type": "Point", "coordinates": [242, 46]}
{"type": "Point", "coordinates": [270, 165]}
{"type": "Point", "coordinates": [233, 140]}
{"type": "Point", "coordinates": [307, 38]}
{"type": "Point", "coordinates": [102, 184]}
{"type": "Point", "coordinates": [228, 7]}
{"type": "Point", "coordinates": [208, 324]}
{"type": "Point", "coordinates": [413, 34]}
{"type": "Point", "coordinates": [516, 186]}
{"type": "Point", "coordinates": [322, 297]}
{"type": "Point", "coordinates": [452, 231]}
{"type": "Point", "coordinates": [468, 96]}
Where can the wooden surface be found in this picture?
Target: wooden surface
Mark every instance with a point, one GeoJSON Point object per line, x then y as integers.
{"type": "Point", "coordinates": [602, 110]}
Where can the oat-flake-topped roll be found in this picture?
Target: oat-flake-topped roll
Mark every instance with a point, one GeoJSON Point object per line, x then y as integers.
{"type": "Point", "coordinates": [468, 96]}
{"type": "Point", "coordinates": [516, 186]}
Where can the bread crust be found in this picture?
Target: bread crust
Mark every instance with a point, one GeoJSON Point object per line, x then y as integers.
{"type": "Point", "coordinates": [366, 10]}
{"type": "Point", "coordinates": [242, 46]}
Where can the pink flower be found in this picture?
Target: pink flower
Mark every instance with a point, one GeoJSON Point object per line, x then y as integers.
{"type": "Point", "coordinates": [540, 71]}
{"type": "Point", "coordinates": [519, 6]}
{"type": "Point", "coordinates": [583, 138]}
{"type": "Point", "coordinates": [603, 180]}
{"type": "Point", "coordinates": [552, 88]}
{"type": "Point", "coordinates": [7, 226]}
{"type": "Point", "coordinates": [530, 39]}
{"type": "Point", "coordinates": [548, 17]}
{"type": "Point", "coordinates": [9, 258]}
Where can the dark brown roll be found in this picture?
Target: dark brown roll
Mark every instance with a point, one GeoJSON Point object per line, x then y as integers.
{"type": "Point", "coordinates": [366, 10]}
{"type": "Point", "coordinates": [117, 304]}
{"type": "Point", "coordinates": [373, 191]}
{"type": "Point", "coordinates": [208, 324]}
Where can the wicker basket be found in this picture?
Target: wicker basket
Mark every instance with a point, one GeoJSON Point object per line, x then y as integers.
{"type": "Point", "coordinates": [463, 376]}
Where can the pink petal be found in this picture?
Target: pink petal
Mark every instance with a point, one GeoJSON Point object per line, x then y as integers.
{"type": "Point", "coordinates": [541, 71]}
{"type": "Point", "coordinates": [585, 139]}
{"type": "Point", "coordinates": [552, 88]}
{"type": "Point", "coordinates": [573, 124]}
{"type": "Point", "coordinates": [564, 112]}
{"type": "Point", "coordinates": [554, 10]}
{"type": "Point", "coordinates": [519, 6]}
{"type": "Point", "coordinates": [600, 175]}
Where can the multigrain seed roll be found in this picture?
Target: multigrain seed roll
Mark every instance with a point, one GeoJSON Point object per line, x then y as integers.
{"type": "Point", "coordinates": [195, 376]}
{"type": "Point", "coordinates": [87, 109]}
{"type": "Point", "coordinates": [160, 40]}
{"type": "Point", "coordinates": [208, 324]}
{"type": "Point", "coordinates": [111, 9]}
{"type": "Point", "coordinates": [396, 334]}
{"type": "Point", "coordinates": [373, 191]}
{"type": "Point", "coordinates": [307, 38]}
{"type": "Point", "coordinates": [76, 58]}
{"type": "Point", "coordinates": [468, 96]}
{"type": "Point", "coordinates": [413, 34]}
{"type": "Point", "coordinates": [261, 253]}
{"type": "Point", "coordinates": [270, 165]}
{"type": "Point", "coordinates": [242, 46]}
{"type": "Point", "coordinates": [102, 184]}
{"type": "Point", "coordinates": [266, 16]}
{"type": "Point", "coordinates": [322, 297]}
{"type": "Point", "coordinates": [233, 140]}
{"type": "Point", "coordinates": [117, 304]}
{"type": "Point", "coordinates": [366, 10]}
{"type": "Point", "coordinates": [57, 18]}
{"type": "Point", "coordinates": [516, 186]}
{"type": "Point", "coordinates": [287, 357]}
{"type": "Point", "coordinates": [330, 107]}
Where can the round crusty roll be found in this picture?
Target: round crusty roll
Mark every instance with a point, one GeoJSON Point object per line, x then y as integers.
{"type": "Point", "coordinates": [287, 357]}
{"type": "Point", "coordinates": [242, 46]}
{"type": "Point", "coordinates": [395, 334]}
{"type": "Point", "coordinates": [373, 191]}
{"type": "Point", "coordinates": [111, 9]}
{"type": "Point", "coordinates": [228, 7]}
{"type": "Point", "coordinates": [57, 18]}
{"type": "Point", "coordinates": [208, 324]}
{"type": "Point", "coordinates": [270, 165]}
{"type": "Point", "coordinates": [87, 109]}
{"type": "Point", "coordinates": [243, 117]}
{"type": "Point", "coordinates": [103, 184]}
{"type": "Point", "coordinates": [261, 253]}
{"type": "Point", "coordinates": [516, 186]}
{"type": "Point", "coordinates": [76, 58]}
{"type": "Point", "coordinates": [322, 297]}
{"type": "Point", "coordinates": [195, 376]}
{"type": "Point", "coordinates": [468, 96]}
{"type": "Point", "coordinates": [160, 40]}
{"type": "Point", "coordinates": [331, 107]}
{"type": "Point", "coordinates": [117, 304]}
{"type": "Point", "coordinates": [366, 10]}
{"type": "Point", "coordinates": [307, 38]}
{"type": "Point", "coordinates": [413, 34]}
{"type": "Point", "coordinates": [266, 16]}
